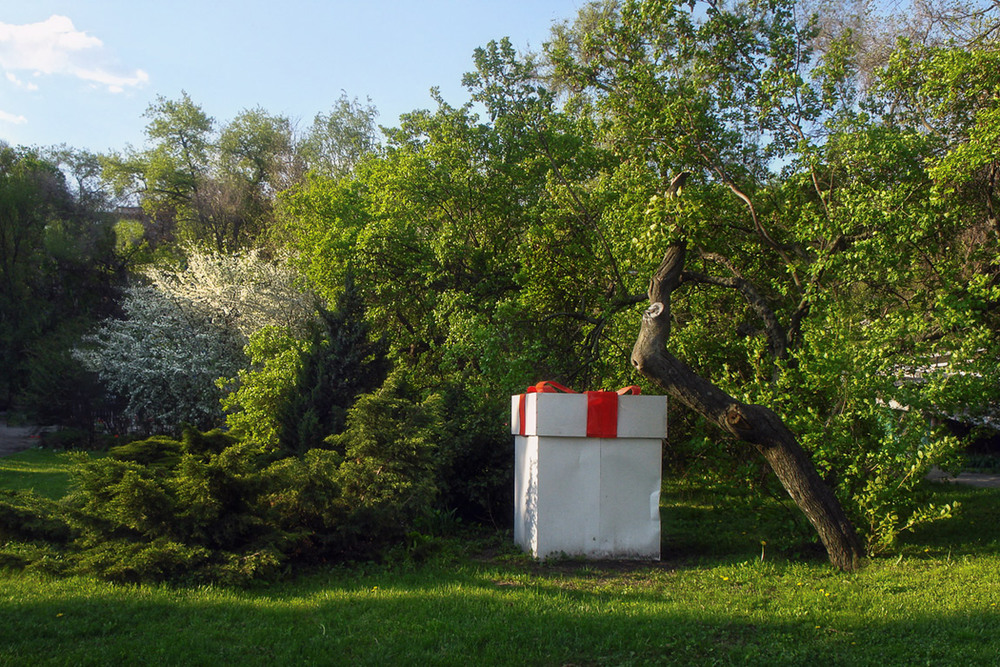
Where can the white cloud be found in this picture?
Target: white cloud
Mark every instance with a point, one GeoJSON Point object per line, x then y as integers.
{"type": "Point", "coordinates": [11, 118]}
{"type": "Point", "coordinates": [55, 46]}
{"type": "Point", "coordinates": [20, 84]}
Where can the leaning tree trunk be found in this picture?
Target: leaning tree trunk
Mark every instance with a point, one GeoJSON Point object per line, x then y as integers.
{"type": "Point", "coordinates": [754, 424]}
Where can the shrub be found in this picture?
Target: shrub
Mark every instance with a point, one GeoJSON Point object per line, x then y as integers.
{"type": "Point", "coordinates": [304, 500]}
{"type": "Point", "coordinates": [210, 507]}
{"type": "Point", "coordinates": [128, 561]}
{"type": "Point", "coordinates": [389, 450]}
{"type": "Point", "coordinates": [475, 459]}
{"type": "Point", "coordinates": [28, 517]}
{"type": "Point", "coordinates": [158, 450]}
{"type": "Point", "coordinates": [71, 438]}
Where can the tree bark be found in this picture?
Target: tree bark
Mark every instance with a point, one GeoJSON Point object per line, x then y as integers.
{"type": "Point", "coordinates": [754, 424]}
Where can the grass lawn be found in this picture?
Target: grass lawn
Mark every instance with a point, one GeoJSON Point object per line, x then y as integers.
{"type": "Point", "coordinates": [42, 470]}
{"type": "Point", "coordinates": [712, 600]}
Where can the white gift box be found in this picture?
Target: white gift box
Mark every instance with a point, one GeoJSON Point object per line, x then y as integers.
{"type": "Point", "coordinates": [587, 474]}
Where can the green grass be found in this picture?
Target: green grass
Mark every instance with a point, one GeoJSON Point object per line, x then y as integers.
{"type": "Point", "coordinates": [908, 611]}
{"type": "Point", "coordinates": [43, 470]}
{"type": "Point", "coordinates": [712, 600]}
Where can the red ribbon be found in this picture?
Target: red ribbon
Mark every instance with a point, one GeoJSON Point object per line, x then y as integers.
{"type": "Point", "coordinates": [602, 407]}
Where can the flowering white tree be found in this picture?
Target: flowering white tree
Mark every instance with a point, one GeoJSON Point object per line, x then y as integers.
{"type": "Point", "coordinates": [239, 290]}
{"type": "Point", "coordinates": [188, 328]}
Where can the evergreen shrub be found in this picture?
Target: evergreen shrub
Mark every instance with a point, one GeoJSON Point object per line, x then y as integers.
{"type": "Point", "coordinates": [212, 508]}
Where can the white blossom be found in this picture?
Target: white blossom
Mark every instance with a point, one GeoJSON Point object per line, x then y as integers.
{"type": "Point", "coordinates": [185, 330]}
{"type": "Point", "coordinates": [239, 290]}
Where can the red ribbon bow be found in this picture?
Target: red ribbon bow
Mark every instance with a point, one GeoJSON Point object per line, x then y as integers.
{"type": "Point", "coordinates": [602, 407]}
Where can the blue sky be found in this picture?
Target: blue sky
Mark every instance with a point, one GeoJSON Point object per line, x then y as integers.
{"type": "Point", "coordinates": [82, 72]}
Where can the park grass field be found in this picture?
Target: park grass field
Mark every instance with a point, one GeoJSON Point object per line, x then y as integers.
{"type": "Point", "coordinates": [44, 471]}
{"type": "Point", "coordinates": [723, 594]}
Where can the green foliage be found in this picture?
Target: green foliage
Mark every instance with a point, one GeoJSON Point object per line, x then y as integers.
{"type": "Point", "coordinates": [58, 273]}
{"type": "Point", "coordinates": [204, 184]}
{"type": "Point", "coordinates": [254, 407]}
{"type": "Point", "coordinates": [321, 219]}
{"type": "Point", "coordinates": [829, 287]}
{"type": "Point", "coordinates": [156, 450]}
{"type": "Point", "coordinates": [28, 517]}
{"type": "Point", "coordinates": [187, 511]}
{"type": "Point", "coordinates": [339, 140]}
{"type": "Point", "coordinates": [209, 507]}
{"type": "Point", "coordinates": [389, 449]}
{"type": "Point", "coordinates": [60, 390]}
{"type": "Point", "coordinates": [834, 276]}
{"type": "Point", "coordinates": [474, 459]}
{"type": "Point", "coordinates": [304, 499]}
{"type": "Point", "coordinates": [340, 364]}
{"type": "Point", "coordinates": [297, 392]}
{"type": "Point", "coordinates": [124, 561]}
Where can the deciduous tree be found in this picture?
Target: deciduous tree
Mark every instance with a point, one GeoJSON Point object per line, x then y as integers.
{"type": "Point", "coordinates": [186, 329]}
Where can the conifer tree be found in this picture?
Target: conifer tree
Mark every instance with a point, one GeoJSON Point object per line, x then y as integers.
{"type": "Point", "coordinates": [342, 362]}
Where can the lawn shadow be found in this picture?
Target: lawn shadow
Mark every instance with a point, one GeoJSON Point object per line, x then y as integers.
{"type": "Point", "coordinates": [973, 529]}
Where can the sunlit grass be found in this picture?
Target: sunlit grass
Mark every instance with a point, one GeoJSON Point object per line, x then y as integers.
{"type": "Point", "coordinates": [712, 600]}
{"type": "Point", "coordinates": [43, 470]}
{"type": "Point", "coordinates": [894, 612]}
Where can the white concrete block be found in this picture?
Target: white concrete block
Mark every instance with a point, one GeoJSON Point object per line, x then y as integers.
{"type": "Point", "coordinates": [591, 497]}
{"type": "Point", "coordinates": [582, 496]}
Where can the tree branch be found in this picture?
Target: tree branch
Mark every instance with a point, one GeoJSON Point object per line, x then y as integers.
{"type": "Point", "coordinates": [754, 424]}
{"type": "Point", "coordinates": [776, 335]}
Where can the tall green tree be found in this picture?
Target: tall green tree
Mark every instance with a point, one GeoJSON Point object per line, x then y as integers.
{"type": "Point", "coordinates": [431, 228]}
{"type": "Point", "coordinates": [338, 140]}
{"type": "Point", "coordinates": [31, 194]}
{"type": "Point", "coordinates": [256, 160]}
{"type": "Point", "coordinates": [436, 228]}
{"type": "Point", "coordinates": [58, 273]}
{"type": "Point", "coordinates": [722, 94]}
{"type": "Point", "coordinates": [170, 178]}
{"type": "Point", "coordinates": [809, 268]}
{"type": "Point", "coordinates": [208, 185]}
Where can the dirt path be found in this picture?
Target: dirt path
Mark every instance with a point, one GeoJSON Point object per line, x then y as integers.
{"type": "Point", "coordinates": [15, 439]}
{"type": "Point", "coordinates": [982, 480]}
